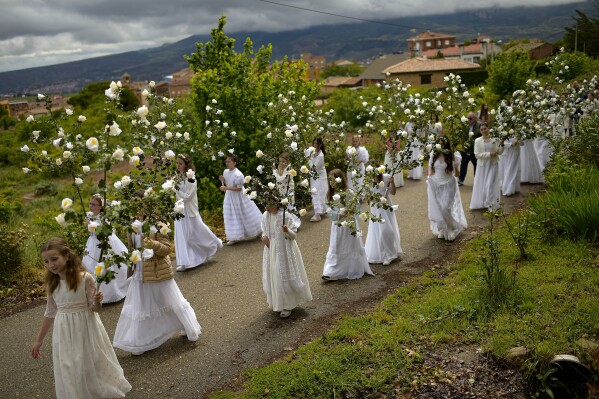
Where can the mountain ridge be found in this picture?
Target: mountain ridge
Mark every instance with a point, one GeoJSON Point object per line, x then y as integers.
{"type": "Point", "coordinates": [357, 41]}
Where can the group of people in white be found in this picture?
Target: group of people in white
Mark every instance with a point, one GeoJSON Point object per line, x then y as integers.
{"type": "Point", "coordinates": [85, 364]}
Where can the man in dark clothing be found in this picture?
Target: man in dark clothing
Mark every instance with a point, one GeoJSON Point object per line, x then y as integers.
{"type": "Point", "coordinates": [468, 146]}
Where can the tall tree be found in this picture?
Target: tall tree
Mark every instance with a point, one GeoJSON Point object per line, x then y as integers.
{"type": "Point", "coordinates": [509, 72]}
{"type": "Point", "coordinates": [584, 34]}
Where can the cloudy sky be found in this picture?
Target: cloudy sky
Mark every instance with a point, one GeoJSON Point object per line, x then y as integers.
{"type": "Point", "coordinates": [43, 32]}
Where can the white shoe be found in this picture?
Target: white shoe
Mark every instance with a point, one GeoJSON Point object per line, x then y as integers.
{"type": "Point", "coordinates": [285, 313]}
{"type": "Point", "coordinates": [231, 242]}
{"type": "Point", "coordinates": [386, 263]}
{"type": "Point", "coordinates": [180, 268]}
{"type": "Point", "coordinates": [328, 278]}
{"type": "Point", "coordinates": [138, 353]}
{"type": "Point", "coordinates": [316, 218]}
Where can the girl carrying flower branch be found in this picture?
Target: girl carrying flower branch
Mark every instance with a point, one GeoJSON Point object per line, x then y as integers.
{"type": "Point", "coordinates": [319, 182]}
{"type": "Point", "coordinates": [85, 365]}
{"type": "Point", "coordinates": [346, 258]}
{"type": "Point", "coordinates": [241, 215]}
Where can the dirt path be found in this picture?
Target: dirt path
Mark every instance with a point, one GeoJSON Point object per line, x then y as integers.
{"type": "Point", "coordinates": [239, 331]}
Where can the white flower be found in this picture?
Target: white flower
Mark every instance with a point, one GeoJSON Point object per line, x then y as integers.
{"type": "Point", "coordinates": [118, 185]}
{"type": "Point", "coordinates": [470, 134]}
{"type": "Point", "coordinates": [179, 206]}
{"type": "Point", "coordinates": [160, 125]}
{"type": "Point", "coordinates": [271, 185]}
{"type": "Point", "coordinates": [85, 169]}
{"type": "Point", "coordinates": [231, 150]}
{"type": "Point", "coordinates": [248, 179]}
{"type": "Point", "coordinates": [152, 83]}
{"type": "Point", "coordinates": [428, 148]}
{"type": "Point", "coordinates": [438, 146]}
{"type": "Point", "coordinates": [314, 191]}
{"type": "Point", "coordinates": [383, 200]}
{"type": "Point", "coordinates": [36, 134]}
{"type": "Point", "coordinates": [353, 173]}
{"type": "Point", "coordinates": [310, 150]}
{"type": "Point", "coordinates": [190, 174]}
{"type": "Point", "coordinates": [56, 143]}
{"type": "Point", "coordinates": [381, 169]}
{"type": "Point", "coordinates": [369, 168]}
{"type": "Point", "coordinates": [221, 154]}
{"type": "Point", "coordinates": [78, 181]}
{"type": "Point", "coordinates": [26, 170]}
{"type": "Point", "coordinates": [382, 184]}
{"type": "Point", "coordinates": [260, 168]}
{"type": "Point", "coordinates": [337, 180]}
{"type": "Point", "coordinates": [170, 155]}
{"type": "Point", "coordinates": [168, 135]}
{"type": "Point", "coordinates": [30, 118]}
{"type": "Point", "coordinates": [25, 148]}
{"type": "Point", "coordinates": [137, 151]}
{"type": "Point", "coordinates": [288, 133]}
{"type": "Point", "coordinates": [464, 119]}
{"type": "Point", "coordinates": [404, 134]}
{"type": "Point", "coordinates": [438, 125]}
{"type": "Point", "coordinates": [92, 144]}
{"type": "Point", "coordinates": [100, 269]}
{"type": "Point", "coordinates": [44, 153]}
{"type": "Point", "coordinates": [40, 96]}
{"type": "Point", "coordinates": [293, 146]}
{"type": "Point", "coordinates": [363, 216]}
{"type": "Point", "coordinates": [66, 203]}
{"type": "Point", "coordinates": [58, 161]}
{"type": "Point", "coordinates": [60, 219]}
{"type": "Point", "coordinates": [269, 136]}
{"type": "Point", "coordinates": [149, 191]}
{"type": "Point", "coordinates": [344, 224]}
{"type": "Point", "coordinates": [135, 256]}
{"type": "Point", "coordinates": [259, 154]}
{"type": "Point", "coordinates": [134, 160]}
{"type": "Point", "coordinates": [421, 157]}
{"type": "Point", "coordinates": [125, 181]}
{"type": "Point", "coordinates": [114, 129]}
{"type": "Point", "coordinates": [137, 226]}
{"type": "Point", "coordinates": [253, 195]}
{"type": "Point", "coordinates": [284, 201]}
{"type": "Point", "coordinates": [143, 111]}
{"type": "Point", "coordinates": [68, 111]}
{"type": "Point", "coordinates": [118, 154]}
{"type": "Point", "coordinates": [69, 145]}
{"type": "Point", "coordinates": [164, 229]}
{"type": "Point", "coordinates": [351, 150]}
{"type": "Point", "coordinates": [92, 226]}
{"type": "Point", "coordinates": [336, 197]}
{"type": "Point", "coordinates": [302, 212]}
{"type": "Point", "coordinates": [168, 185]}
{"type": "Point", "coordinates": [81, 118]}
{"type": "Point", "coordinates": [305, 183]}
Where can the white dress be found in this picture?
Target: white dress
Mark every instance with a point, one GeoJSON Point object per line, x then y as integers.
{"type": "Point", "coordinates": [117, 288]}
{"type": "Point", "coordinates": [445, 210]}
{"type": "Point", "coordinates": [153, 312]}
{"type": "Point", "coordinates": [486, 188]}
{"type": "Point", "coordinates": [320, 183]}
{"type": "Point", "coordinates": [509, 168]}
{"type": "Point", "coordinates": [415, 143]}
{"type": "Point", "coordinates": [284, 278]}
{"type": "Point", "coordinates": [346, 258]}
{"type": "Point", "coordinates": [242, 216]}
{"type": "Point", "coordinates": [85, 365]}
{"type": "Point", "coordinates": [194, 242]}
{"type": "Point", "coordinates": [530, 167]}
{"type": "Point", "coordinates": [383, 242]}
{"type": "Point", "coordinates": [398, 175]}
{"type": "Point", "coordinates": [361, 159]}
{"type": "Point", "coordinates": [286, 187]}
{"type": "Point", "coordinates": [544, 151]}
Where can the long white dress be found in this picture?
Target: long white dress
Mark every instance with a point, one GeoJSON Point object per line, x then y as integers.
{"type": "Point", "coordinates": [445, 210]}
{"type": "Point", "coordinates": [509, 168]}
{"type": "Point", "coordinates": [544, 151]}
{"type": "Point", "coordinates": [415, 143]}
{"type": "Point", "coordinates": [383, 242]}
{"type": "Point", "coordinates": [286, 187]}
{"type": "Point", "coordinates": [361, 159]}
{"type": "Point", "coordinates": [242, 217]}
{"type": "Point", "coordinates": [85, 365]}
{"type": "Point", "coordinates": [530, 167]}
{"type": "Point", "coordinates": [486, 188]}
{"type": "Point", "coordinates": [398, 175]}
{"type": "Point", "coordinates": [284, 278]}
{"type": "Point", "coordinates": [346, 258]}
{"type": "Point", "coordinates": [319, 200]}
{"type": "Point", "coordinates": [194, 241]}
{"type": "Point", "coordinates": [117, 288]}
{"type": "Point", "coordinates": [153, 312]}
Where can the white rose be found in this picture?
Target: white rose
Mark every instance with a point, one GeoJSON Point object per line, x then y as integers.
{"type": "Point", "coordinates": [464, 119]}
{"type": "Point", "coordinates": [337, 180]}
{"type": "Point", "coordinates": [421, 157]}
{"type": "Point", "coordinates": [114, 129]}
{"type": "Point", "coordinates": [260, 168]}
{"type": "Point", "coordinates": [68, 111]}
{"type": "Point", "coordinates": [25, 148]}
{"type": "Point", "coordinates": [81, 118]}
{"type": "Point", "coordinates": [36, 134]}
{"type": "Point", "coordinates": [271, 185]}
{"type": "Point", "coordinates": [125, 181]}
{"type": "Point", "coordinates": [92, 144]}
{"type": "Point", "coordinates": [85, 169]}
{"type": "Point", "coordinates": [66, 204]}
{"type": "Point", "coordinates": [61, 220]}
{"type": "Point", "coordinates": [259, 154]}
{"type": "Point", "coordinates": [381, 169]}
{"type": "Point", "coordinates": [118, 154]}
{"type": "Point", "coordinates": [179, 206]}
{"type": "Point", "coordinates": [170, 155]}
{"type": "Point", "coordinates": [58, 161]}
{"type": "Point", "coordinates": [134, 160]}
{"type": "Point", "coordinates": [168, 135]}
{"type": "Point", "coordinates": [137, 151]}
{"type": "Point", "coordinates": [302, 212]}
{"type": "Point", "coordinates": [404, 134]}
{"type": "Point", "coordinates": [428, 148]}
{"type": "Point", "coordinates": [56, 143]}
{"type": "Point", "coordinates": [149, 191]}
{"type": "Point", "coordinates": [168, 185]}
{"type": "Point", "coordinates": [118, 185]}
{"type": "Point", "coordinates": [152, 83]}
{"type": "Point", "coordinates": [438, 146]}
{"type": "Point", "coordinates": [363, 216]}
{"type": "Point", "coordinates": [314, 191]}
{"type": "Point", "coordinates": [44, 153]}
{"type": "Point", "coordinates": [26, 170]}
{"type": "Point", "coordinates": [30, 118]}
{"type": "Point", "coordinates": [190, 174]}
{"type": "Point", "coordinates": [66, 154]}
{"type": "Point", "coordinates": [305, 183]}
{"type": "Point", "coordinates": [143, 111]}
{"type": "Point", "coordinates": [135, 256]}
{"type": "Point", "coordinates": [369, 168]}
{"type": "Point", "coordinates": [336, 197]}
{"type": "Point", "coordinates": [253, 195]}
{"type": "Point", "coordinates": [284, 201]}
{"type": "Point", "coordinates": [248, 179]}
{"type": "Point", "coordinates": [160, 125]}
{"type": "Point", "coordinates": [137, 226]}
{"type": "Point", "coordinates": [164, 229]}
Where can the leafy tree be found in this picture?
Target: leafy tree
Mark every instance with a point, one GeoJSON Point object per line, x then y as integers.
{"type": "Point", "coordinates": [93, 94]}
{"type": "Point", "coordinates": [342, 70]}
{"type": "Point", "coordinates": [584, 34]}
{"type": "Point", "coordinates": [509, 72]}
{"type": "Point", "coordinates": [241, 85]}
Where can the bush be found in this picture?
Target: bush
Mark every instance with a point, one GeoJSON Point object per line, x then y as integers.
{"type": "Point", "coordinates": [509, 72]}
{"type": "Point", "coordinates": [568, 66]}
{"type": "Point", "coordinates": [8, 208]}
{"type": "Point", "coordinates": [584, 146]}
{"type": "Point", "coordinates": [11, 250]}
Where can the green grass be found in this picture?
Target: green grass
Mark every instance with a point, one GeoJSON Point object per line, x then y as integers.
{"type": "Point", "coordinates": [554, 305]}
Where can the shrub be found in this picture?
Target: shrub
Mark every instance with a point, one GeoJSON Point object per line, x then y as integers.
{"type": "Point", "coordinates": [584, 146]}
{"type": "Point", "coordinates": [11, 250]}
{"type": "Point", "coordinates": [8, 207]}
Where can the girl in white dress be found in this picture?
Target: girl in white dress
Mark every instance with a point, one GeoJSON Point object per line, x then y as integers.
{"type": "Point", "coordinates": [346, 258]}
{"type": "Point", "coordinates": [194, 241]}
{"type": "Point", "coordinates": [284, 181]}
{"type": "Point", "coordinates": [155, 308]}
{"type": "Point", "coordinates": [509, 167]}
{"type": "Point", "coordinates": [242, 217]}
{"type": "Point", "coordinates": [445, 211]}
{"type": "Point", "coordinates": [319, 200]}
{"type": "Point", "coordinates": [284, 278]}
{"type": "Point", "coordinates": [530, 166]}
{"type": "Point", "coordinates": [391, 155]}
{"type": "Point", "coordinates": [415, 136]}
{"type": "Point", "coordinates": [359, 164]}
{"type": "Point", "coordinates": [85, 365]}
{"type": "Point", "coordinates": [383, 243]}
{"type": "Point", "coordinates": [486, 188]}
{"type": "Point", "coordinates": [117, 288]}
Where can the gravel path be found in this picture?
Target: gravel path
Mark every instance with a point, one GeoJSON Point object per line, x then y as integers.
{"type": "Point", "coordinates": [239, 331]}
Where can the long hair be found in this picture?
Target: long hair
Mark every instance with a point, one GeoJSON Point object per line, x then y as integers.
{"type": "Point", "coordinates": [318, 139]}
{"type": "Point", "coordinates": [333, 174]}
{"type": "Point", "coordinates": [188, 161]}
{"type": "Point", "coordinates": [73, 267]}
{"type": "Point", "coordinates": [99, 199]}
{"type": "Point", "coordinates": [447, 155]}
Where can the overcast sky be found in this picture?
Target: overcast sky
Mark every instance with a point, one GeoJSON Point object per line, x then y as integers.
{"type": "Point", "coordinates": [43, 32]}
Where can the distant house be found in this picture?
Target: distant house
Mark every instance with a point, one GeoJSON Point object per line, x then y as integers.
{"type": "Point", "coordinates": [316, 64]}
{"type": "Point", "coordinates": [480, 48]}
{"type": "Point", "coordinates": [4, 104]}
{"type": "Point", "coordinates": [373, 73]}
{"type": "Point", "coordinates": [179, 85]}
{"type": "Point", "coordinates": [429, 41]}
{"type": "Point", "coordinates": [427, 72]}
{"type": "Point", "coordinates": [536, 49]}
{"type": "Point", "coordinates": [18, 108]}
{"type": "Point", "coordinates": [333, 83]}
{"type": "Point", "coordinates": [343, 62]}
